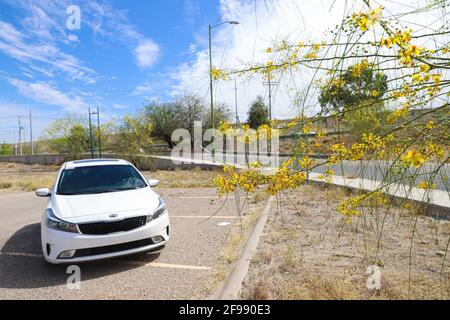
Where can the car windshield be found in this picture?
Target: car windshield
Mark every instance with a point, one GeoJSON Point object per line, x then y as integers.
{"type": "Point", "coordinates": [99, 179]}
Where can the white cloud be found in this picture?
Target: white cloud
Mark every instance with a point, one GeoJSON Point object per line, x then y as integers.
{"type": "Point", "coordinates": [146, 53]}
{"type": "Point", "coordinates": [73, 38]}
{"type": "Point", "coordinates": [30, 51]}
{"type": "Point", "coordinates": [119, 106]}
{"type": "Point", "coordinates": [191, 10]}
{"type": "Point", "coordinates": [45, 93]}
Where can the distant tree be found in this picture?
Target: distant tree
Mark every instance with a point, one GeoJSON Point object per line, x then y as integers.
{"type": "Point", "coordinates": [65, 135]}
{"type": "Point", "coordinates": [71, 135]}
{"type": "Point", "coordinates": [359, 83]}
{"type": "Point", "coordinates": [77, 141]}
{"type": "Point", "coordinates": [134, 134]}
{"type": "Point", "coordinates": [221, 114]}
{"type": "Point", "coordinates": [165, 120]}
{"type": "Point", "coordinates": [6, 149]}
{"type": "Point", "coordinates": [189, 108]}
{"type": "Point", "coordinates": [258, 113]}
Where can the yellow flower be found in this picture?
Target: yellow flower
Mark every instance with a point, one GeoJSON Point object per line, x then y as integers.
{"type": "Point", "coordinates": [306, 162]}
{"type": "Point", "coordinates": [425, 185]}
{"type": "Point", "coordinates": [414, 158]}
{"type": "Point", "coordinates": [218, 74]}
{"type": "Point", "coordinates": [430, 125]}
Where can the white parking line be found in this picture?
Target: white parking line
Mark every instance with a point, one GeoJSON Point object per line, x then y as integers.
{"type": "Point", "coordinates": [164, 265]}
{"type": "Point", "coordinates": [142, 263]}
{"type": "Point", "coordinates": [22, 254]}
{"type": "Point", "coordinates": [215, 198]}
{"type": "Point", "coordinates": [206, 217]}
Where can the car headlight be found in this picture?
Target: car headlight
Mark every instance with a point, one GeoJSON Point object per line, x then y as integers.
{"type": "Point", "coordinates": [158, 212]}
{"type": "Point", "coordinates": [57, 224]}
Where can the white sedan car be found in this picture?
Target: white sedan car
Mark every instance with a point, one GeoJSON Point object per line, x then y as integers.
{"type": "Point", "coordinates": [101, 208]}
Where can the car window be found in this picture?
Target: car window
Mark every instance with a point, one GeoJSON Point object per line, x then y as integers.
{"type": "Point", "coordinates": [99, 179]}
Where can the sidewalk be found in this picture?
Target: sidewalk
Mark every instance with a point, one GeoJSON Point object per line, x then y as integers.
{"type": "Point", "coordinates": [438, 198]}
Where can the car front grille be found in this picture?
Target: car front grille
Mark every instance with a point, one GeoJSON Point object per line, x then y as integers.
{"type": "Point", "coordinates": [113, 248]}
{"type": "Point", "coordinates": [101, 228]}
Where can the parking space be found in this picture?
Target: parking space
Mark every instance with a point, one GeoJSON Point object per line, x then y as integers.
{"type": "Point", "coordinates": [178, 272]}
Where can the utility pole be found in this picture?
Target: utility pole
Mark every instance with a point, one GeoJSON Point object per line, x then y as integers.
{"type": "Point", "coordinates": [20, 136]}
{"type": "Point", "coordinates": [270, 84]}
{"type": "Point", "coordinates": [236, 102]}
{"type": "Point", "coordinates": [98, 132]}
{"type": "Point", "coordinates": [90, 135]}
{"type": "Point", "coordinates": [210, 28]}
{"type": "Point", "coordinates": [31, 135]}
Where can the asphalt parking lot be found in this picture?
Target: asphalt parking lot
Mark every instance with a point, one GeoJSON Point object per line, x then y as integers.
{"type": "Point", "coordinates": [178, 272]}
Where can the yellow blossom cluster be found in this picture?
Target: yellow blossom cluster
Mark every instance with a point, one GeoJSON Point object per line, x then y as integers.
{"type": "Point", "coordinates": [358, 69]}
{"type": "Point", "coordinates": [414, 158]}
{"type": "Point", "coordinates": [425, 185]}
{"type": "Point", "coordinates": [306, 162]}
{"type": "Point", "coordinates": [365, 20]}
{"type": "Point", "coordinates": [218, 74]}
{"type": "Point", "coordinates": [285, 179]}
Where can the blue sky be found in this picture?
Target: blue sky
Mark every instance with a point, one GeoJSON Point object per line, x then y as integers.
{"type": "Point", "coordinates": [124, 53]}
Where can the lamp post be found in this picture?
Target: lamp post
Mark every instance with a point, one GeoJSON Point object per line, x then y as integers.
{"type": "Point", "coordinates": [210, 27]}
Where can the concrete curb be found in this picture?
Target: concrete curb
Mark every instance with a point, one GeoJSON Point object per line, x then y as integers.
{"type": "Point", "coordinates": [231, 288]}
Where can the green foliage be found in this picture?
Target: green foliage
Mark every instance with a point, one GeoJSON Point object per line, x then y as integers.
{"type": "Point", "coordinates": [165, 120]}
{"type": "Point", "coordinates": [358, 83]}
{"type": "Point", "coordinates": [221, 114]}
{"type": "Point", "coordinates": [365, 120]}
{"type": "Point", "coordinates": [182, 113]}
{"type": "Point", "coordinates": [6, 149]}
{"type": "Point", "coordinates": [68, 135]}
{"type": "Point", "coordinates": [77, 141]}
{"type": "Point", "coordinates": [258, 113]}
{"type": "Point", "coordinates": [134, 135]}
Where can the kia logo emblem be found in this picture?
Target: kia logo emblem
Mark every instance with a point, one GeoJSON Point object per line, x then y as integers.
{"type": "Point", "coordinates": [113, 215]}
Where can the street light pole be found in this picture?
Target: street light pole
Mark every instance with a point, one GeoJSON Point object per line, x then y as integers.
{"type": "Point", "coordinates": [210, 27]}
{"type": "Point", "coordinates": [213, 151]}
{"type": "Point", "coordinates": [90, 135]}
{"type": "Point", "coordinates": [236, 102]}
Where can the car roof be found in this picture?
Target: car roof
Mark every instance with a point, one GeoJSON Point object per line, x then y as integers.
{"type": "Point", "coordinates": [94, 162]}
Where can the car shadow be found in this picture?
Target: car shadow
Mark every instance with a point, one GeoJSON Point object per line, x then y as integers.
{"type": "Point", "coordinates": [22, 265]}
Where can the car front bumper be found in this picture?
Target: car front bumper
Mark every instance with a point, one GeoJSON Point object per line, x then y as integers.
{"type": "Point", "coordinates": [90, 247]}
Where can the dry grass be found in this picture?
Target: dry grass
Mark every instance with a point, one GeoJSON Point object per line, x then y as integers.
{"type": "Point", "coordinates": [195, 178]}
{"type": "Point", "coordinates": [231, 249]}
{"type": "Point", "coordinates": [20, 177]}
{"type": "Point", "coordinates": [308, 252]}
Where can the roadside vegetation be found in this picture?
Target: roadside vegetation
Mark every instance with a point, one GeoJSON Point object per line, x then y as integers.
{"type": "Point", "coordinates": [383, 88]}
{"type": "Point", "coordinates": [308, 251]}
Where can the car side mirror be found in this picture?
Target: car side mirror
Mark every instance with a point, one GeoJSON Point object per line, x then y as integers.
{"type": "Point", "coordinates": [153, 182]}
{"type": "Point", "coordinates": [43, 192]}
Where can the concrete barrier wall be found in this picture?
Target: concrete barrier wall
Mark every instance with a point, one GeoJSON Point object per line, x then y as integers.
{"type": "Point", "coordinates": [44, 159]}
{"type": "Point", "coordinates": [154, 162]}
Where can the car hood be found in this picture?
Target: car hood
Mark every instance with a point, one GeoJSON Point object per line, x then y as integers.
{"type": "Point", "coordinates": [100, 207]}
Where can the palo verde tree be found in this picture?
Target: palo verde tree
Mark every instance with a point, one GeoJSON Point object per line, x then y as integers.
{"type": "Point", "coordinates": [404, 69]}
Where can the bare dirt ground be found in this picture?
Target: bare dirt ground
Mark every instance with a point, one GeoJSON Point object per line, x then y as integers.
{"type": "Point", "coordinates": [308, 251]}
